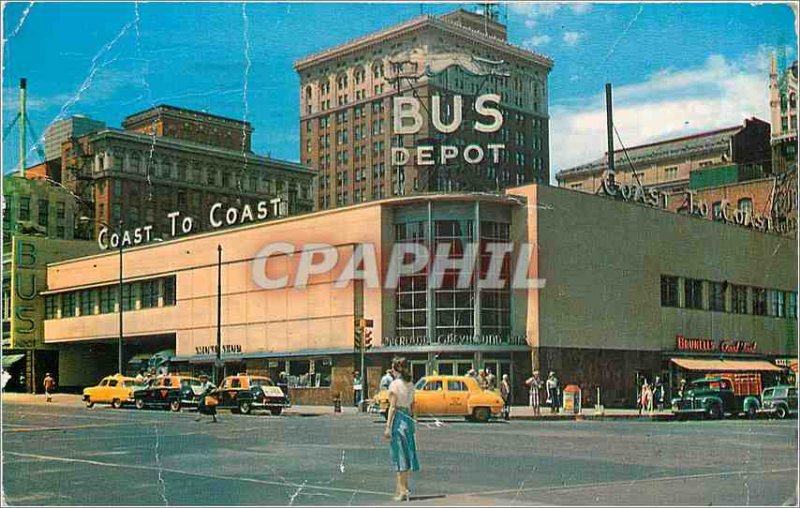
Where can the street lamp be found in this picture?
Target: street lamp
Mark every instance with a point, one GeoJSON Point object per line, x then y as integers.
{"type": "Point", "coordinates": [118, 231]}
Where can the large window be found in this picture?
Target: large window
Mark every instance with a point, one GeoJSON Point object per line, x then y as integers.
{"type": "Point", "coordinates": [412, 290]}
{"type": "Point", "coordinates": [717, 296]}
{"type": "Point", "coordinates": [68, 305]}
{"type": "Point", "coordinates": [149, 294]}
{"type": "Point", "coordinates": [50, 306]}
{"type": "Point", "coordinates": [24, 208]}
{"type": "Point", "coordinates": [313, 373]}
{"type": "Point", "coordinates": [495, 303]}
{"type": "Point", "coordinates": [791, 304]}
{"type": "Point", "coordinates": [108, 299]}
{"type": "Point", "coordinates": [129, 296]}
{"type": "Point", "coordinates": [739, 299]}
{"type": "Point", "coordinates": [669, 291]}
{"type": "Point", "coordinates": [693, 293]}
{"type": "Point", "coordinates": [777, 303]}
{"type": "Point", "coordinates": [169, 291]}
{"type": "Point", "coordinates": [454, 305]}
{"type": "Point", "coordinates": [87, 302]}
{"type": "Point", "coordinates": [44, 207]}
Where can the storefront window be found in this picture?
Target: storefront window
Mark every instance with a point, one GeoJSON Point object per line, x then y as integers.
{"type": "Point", "coordinates": [454, 305]}
{"type": "Point", "coordinates": [669, 291]}
{"type": "Point", "coordinates": [313, 373]}
{"type": "Point", "coordinates": [693, 293]}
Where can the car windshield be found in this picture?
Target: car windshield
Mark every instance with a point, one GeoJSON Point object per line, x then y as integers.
{"type": "Point", "coordinates": [258, 382]}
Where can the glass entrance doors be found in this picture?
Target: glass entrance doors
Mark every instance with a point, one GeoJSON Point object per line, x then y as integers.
{"type": "Point", "coordinates": [453, 367]}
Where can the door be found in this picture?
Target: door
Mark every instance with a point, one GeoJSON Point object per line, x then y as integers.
{"type": "Point", "coordinates": [792, 400]}
{"type": "Point", "coordinates": [498, 368]}
{"type": "Point", "coordinates": [456, 396]}
{"type": "Point", "coordinates": [430, 399]}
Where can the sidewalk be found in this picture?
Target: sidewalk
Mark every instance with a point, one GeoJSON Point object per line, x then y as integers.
{"type": "Point", "coordinates": [517, 412]}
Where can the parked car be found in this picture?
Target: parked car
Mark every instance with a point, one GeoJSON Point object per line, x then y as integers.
{"type": "Point", "coordinates": [713, 397]}
{"type": "Point", "coordinates": [170, 391]}
{"type": "Point", "coordinates": [447, 396]}
{"type": "Point", "coordinates": [116, 390]}
{"type": "Point", "coordinates": [780, 401]}
{"type": "Point", "coordinates": [243, 393]}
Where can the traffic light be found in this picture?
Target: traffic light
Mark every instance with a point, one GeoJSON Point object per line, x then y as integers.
{"type": "Point", "coordinates": [358, 336]}
{"type": "Point", "coordinates": [367, 338]}
{"type": "Point", "coordinates": [362, 337]}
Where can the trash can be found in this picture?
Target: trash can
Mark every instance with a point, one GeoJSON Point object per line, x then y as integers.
{"type": "Point", "coordinates": [571, 403]}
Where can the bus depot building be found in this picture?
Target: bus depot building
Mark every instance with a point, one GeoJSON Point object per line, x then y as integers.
{"type": "Point", "coordinates": [620, 291]}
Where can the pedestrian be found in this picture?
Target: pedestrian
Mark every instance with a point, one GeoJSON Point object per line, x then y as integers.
{"type": "Point", "coordinates": [658, 393]}
{"type": "Point", "coordinates": [471, 373]}
{"type": "Point", "coordinates": [49, 386]}
{"type": "Point", "coordinates": [400, 427]}
{"type": "Point", "coordinates": [356, 388]}
{"type": "Point", "coordinates": [140, 379]}
{"type": "Point", "coordinates": [534, 384]}
{"type": "Point", "coordinates": [491, 380]}
{"type": "Point", "coordinates": [386, 380]}
{"type": "Point", "coordinates": [505, 393]}
{"type": "Point", "coordinates": [283, 383]}
{"type": "Point", "coordinates": [645, 397]}
{"type": "Point", "coordinates": [483, 380]}
{"type": "Point", "coordinates": [552, 391]}
{"type": "Point", "coordinates": [209, 400]}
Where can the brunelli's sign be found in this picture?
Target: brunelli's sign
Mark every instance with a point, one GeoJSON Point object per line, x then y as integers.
{"type": "Point", "coordinates": [711, 346]}
{"type": "Point", "coordinates": [407, 119]}
{"type": "Point", "coordinates": [219, 216]}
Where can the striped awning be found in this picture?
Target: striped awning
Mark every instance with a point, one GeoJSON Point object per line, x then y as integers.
{"type": "Point", "coordinates": [726, 365]}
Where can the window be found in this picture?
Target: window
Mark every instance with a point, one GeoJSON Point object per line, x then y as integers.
{"type": "Point", "coordinates": [432, 386]}
{"type": "Point", "coordinates": [24, 208]}
{"type": "Point", "coordinates": [117, 188]}
{"type": "Point", "coordinates": [128, 296]}
{"type": "Point", "coordinates": [759, 301]}
{"type": "Point", "coordinates": [456, 386]}
{"type": "Point", "coordinates": [149, 294]}
{"type": "Point", "coordinates": [314, 373]}
{"type": "Point", "coordinates": [693, 293]}
{"type": "Point", "coordinates": [717, 296]}
{"type": "Point", "coordinates": [671, 172]}
{"type": "Point", "coordinates": [60, 232]}
{"type": "Point", "coordinates": [169, 291]}
{"type": "Point", "coordinates": [112, 382]}
{"type": "Point", "coordinates": [108, 299]}
{"type": "Point", "coordinates": [60, 210]}
{"type": "Point", "coordinates": [68, 305]}
{"type": "Point", "coordinates": [777, 303]}
{"type": "Point", "coordinates": [43, 209]}
{"type": "Point", "coordinates": [669, 291]}
{"type": "Point", "coordinates": [87, 302]}
{"type": "Point", "coordinates": [739, 299]}
{"type": "Point", "coordinates": [50, 306]}
{"type": "Point", "coordinates": [791, 304]}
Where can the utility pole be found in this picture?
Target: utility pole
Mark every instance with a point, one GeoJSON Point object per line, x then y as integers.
{"type": "Point", "coordinates": [121, 304]}
{"type": "Point", "coordinates": [23, 83]}
{"type": "Point", "coordinates": [218, 362]}
{"type": "Point", "coordinates": [610, 132]}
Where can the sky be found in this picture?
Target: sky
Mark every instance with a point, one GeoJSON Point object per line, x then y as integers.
{"type": "Point", "coordinates": [676, 68]}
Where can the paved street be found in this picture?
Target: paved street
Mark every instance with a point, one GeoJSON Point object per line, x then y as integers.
{"type": "Point", "coordinates": [63, 454]}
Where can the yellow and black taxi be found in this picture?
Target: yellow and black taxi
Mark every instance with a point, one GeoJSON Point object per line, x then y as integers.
{"type": "Point", "coordinates": [171, 391]}
{"type": "Point", "coordinates": [116, 390]}
{"type": "Point", "coordinates": [447, 396]}
{"type": "Point", "coordinates": [242, 393]}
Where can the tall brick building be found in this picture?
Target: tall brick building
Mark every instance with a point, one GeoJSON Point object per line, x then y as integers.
{"type": "Point", "coordinates": [346, 106]}
{"type": "Point", "coordinates": [172, 159]}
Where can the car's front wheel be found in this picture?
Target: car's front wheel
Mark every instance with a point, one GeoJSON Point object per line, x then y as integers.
{"type": "Point", "coordinates": [781, 412]}
{"type": "Point", "coordinates": [751, 412]}
{"type": "Point", "coordinates": [139, 403]}
{"type": "Point", "coordinates": [89, 403]}
{"type": "Point", "coordinates": [715, 411]}
{"type": "Point", "coordinates": [116, 403]}
{"type": "Point", "coordinates": [175, 405]}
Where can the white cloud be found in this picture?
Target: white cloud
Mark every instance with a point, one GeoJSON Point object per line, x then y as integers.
{"type": "Point", "coordinates": [669, 103]}
{"type": "Point", "coordinates": [536, 41]}
{"type": "Point", "coordinates": [534, 10]}
{"type": "Point", "coordinates": [572, 38]}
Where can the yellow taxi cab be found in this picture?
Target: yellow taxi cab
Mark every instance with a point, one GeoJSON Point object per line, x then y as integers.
{"type": "Point", "coordinates": [115, 390]}
{"type": "Point", "coordinates": [242, 393]}
{"type": "Point", "coordinates": [447, 396]}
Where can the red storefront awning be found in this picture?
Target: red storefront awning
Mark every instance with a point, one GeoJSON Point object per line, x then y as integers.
{"type": "Point", "coordinates": [726, 365]}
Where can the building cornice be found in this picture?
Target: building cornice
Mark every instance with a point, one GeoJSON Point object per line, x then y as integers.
{"type": "Point", "coordinates": [200, 149]}
{"type": "Point", "coordinates": [410, 26]}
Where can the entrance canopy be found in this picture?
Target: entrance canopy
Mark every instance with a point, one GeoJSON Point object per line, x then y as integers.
{"type": "Point", "coordinates": [9, 360]}
{"type": "Point", "coordinates": [726, 365]}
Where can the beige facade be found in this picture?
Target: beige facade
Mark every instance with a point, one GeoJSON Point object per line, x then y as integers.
{"type": "Point", "coordinates": [621, 283]}
{"type": "Point", "coordinates": [346, 108]}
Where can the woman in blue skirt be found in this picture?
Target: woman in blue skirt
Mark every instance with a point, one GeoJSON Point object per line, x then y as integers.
{"type": "Point", "coordinates": [400, 427]}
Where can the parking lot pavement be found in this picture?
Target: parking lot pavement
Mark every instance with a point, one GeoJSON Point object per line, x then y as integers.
{"type": "Point", "coordinates": [59, 454]}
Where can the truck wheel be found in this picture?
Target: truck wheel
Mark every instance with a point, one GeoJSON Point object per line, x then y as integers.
{"type": "Point", "coordinates": [751, 412]}
{"type": "Point", "coordinates": [781, 412]}
{"type": "Point", "coordinates": [481, 414]}
{"type": "Point", "coordinates": [276, 411]}
{"type": "Point", "coordinates": [175, 406]}
{"type": "Point", "coordinates": [116, 404]}
{"type": "Point", "coordinates": [715, 412]}
{"type": "Point", "coordinates": [245, 407]}
{"type": "Point", "coordinates": [89, 403]}
{"type": "Point", "coordinates": [139, 403]}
